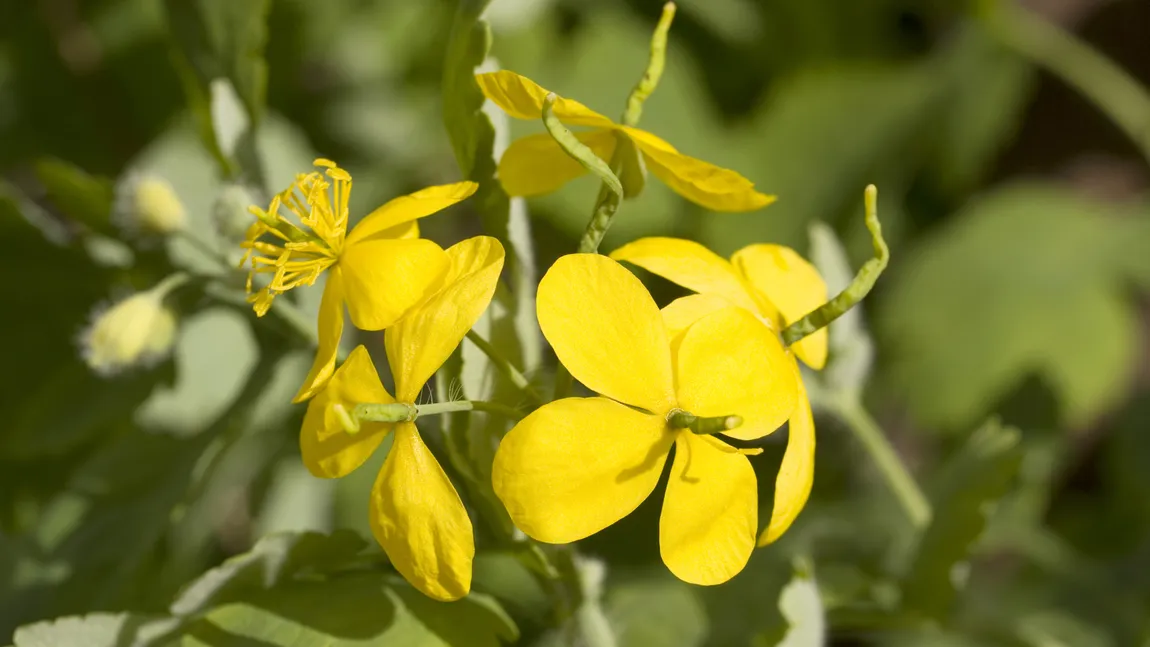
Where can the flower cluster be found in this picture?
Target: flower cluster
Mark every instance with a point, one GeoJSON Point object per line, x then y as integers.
{"type": "Point", "coordinates": [694, 380]}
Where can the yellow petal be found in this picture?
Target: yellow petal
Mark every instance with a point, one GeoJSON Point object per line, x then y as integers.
{"type": "Point", "coordinates": [710, 512]}
{"type": "Point", "coordinates": [705, 184]}
{"type": "Point", "coordinates": [689, 264]}
{"type": "Point", "coordinates": [607, 330]}
{"type": "Point", "coordinates": [419, 343]}
{"type": "Point", "coordinates": [679, 314]}
{"type": "Point", "coordinates": [793, 285]}
{"type": "Point", "coordinates": [330, 329]}
{"type": "Point", "coordinates": [535, 164]}
{"type": "Point", "coordinates": [417, 517]}
{"type": "Point", "coordinates": [328, 450]}
{"type": "Point", "coordinates": [577, 465]}
{"type": "Point", "coordinates": [522, 98]}
{"type": "Point", "coordinates": [729, 363]}
{"type": "Point", "coordinates": [797, 472]}
{"type": "Point", "coordinates": [408, 208]}
{"type": "Point", "coordinates": [384, 278]}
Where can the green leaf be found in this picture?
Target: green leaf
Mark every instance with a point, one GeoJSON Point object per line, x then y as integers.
{"type": "Point", "coordinates": [214, 355]}
{"type": "Point", "coordinates": [360, 610]}
{"type": "Point", "coordinates": [222, 44]}
{"type": "Point", "coordinates": [802, 606]}
{"type": "Point", "coordinates": [988, 92]}
{"type": "Point", "coordinates": [655, 612]}
{"type": "Point", "coordinates": [83, 197]}
{"type": "Point", "coordinates": [816, 149]}
{"type": "Point", "coordinates": [92, 630]}
{"type": "Point", "coordinates": [1029, 279]}
{"type": "Point", "coordinates": [272, 560]}
{"type": "Point", "coordinates": [968, 487]}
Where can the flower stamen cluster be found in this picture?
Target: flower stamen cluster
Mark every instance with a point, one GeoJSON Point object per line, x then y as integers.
{"type": "Point", "coordinates": [294, 254]}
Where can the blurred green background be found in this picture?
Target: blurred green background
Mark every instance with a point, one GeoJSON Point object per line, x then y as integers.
{"type": "Point", "coordinates": [1019, 225]}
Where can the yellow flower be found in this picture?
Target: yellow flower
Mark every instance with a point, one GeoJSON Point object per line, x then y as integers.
{"type": "Point", "coordinates": [535, 165]}
{"type": "Point", "coordinates": [779, 287]}
{"type": "Point", "coordinates": [577, 465]}
{"type": "Point", "coordinates": [415, 512]}
{"type": "Point", "coordinates": [380, 269]}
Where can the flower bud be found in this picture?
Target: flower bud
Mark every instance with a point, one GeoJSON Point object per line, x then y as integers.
{"type": "Point", "coordinates": [148, 206]}
{"type": "Point", "coordinates": [137, 331]}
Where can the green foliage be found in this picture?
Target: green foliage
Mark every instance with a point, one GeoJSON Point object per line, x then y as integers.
{"type": "Point", "coordinates": [1027, 279]}
{"type": "Point", "coordinates": [168, 506]}
{"type": "Point", "coordinates": [966, 490]}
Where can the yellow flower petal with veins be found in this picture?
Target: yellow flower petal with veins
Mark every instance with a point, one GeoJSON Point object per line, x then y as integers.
{"type": "Point", "coordinates": [715, 376]}
{"type": "Point", "coordinates": [577, 465]}
{"type": "Point", "coordinates": [598, 318]}
{"type": "Point", "coordinates": [710, 512]}
{"type": "Point", "coordinates": [380, 270]}
{"type": "Point", "coordinates": [409, 208]}
{"type": "Point", "coordinates": [689, 264]}
{"type": "Point", "coordinates": [328, 450]}
{"type": "Point", "coordinates": [384, 278]}
{"type": "Point", "coordinates": [793, 285]}
{"type": "Point", "coordinates": [423, 339]}
{"type": "Point", "coordinates": [417, 517]}
{"type": "Point", "coordinates": [535, 164]}
{"type": "Point", "coordinates": [329, 333]}
{"type": "Point", "coordinates": [522, 98]}
{"type": "Point", "coordinates": [785, 287]}
{"type": "Point", "coordinates": [797, 472]}
{"type": "Point", "coordinates": [703, 183]}
{"type": "Point", "coordinates": [534, 167]}
{"type": "Point", "coordinates": [679, 314]}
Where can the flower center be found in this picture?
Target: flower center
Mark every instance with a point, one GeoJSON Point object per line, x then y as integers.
{"type": "Point", "coordinates": [296, 254]}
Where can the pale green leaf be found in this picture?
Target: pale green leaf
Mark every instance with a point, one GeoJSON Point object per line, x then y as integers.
{"type": "Point", "coordinates": [964, 493]}
{"type": "Point", "coordinates": [1027, 280]}
{"type": "Point", "coordinates": [214, 354]}
{"type": "Point", "coordinates": [656, 611]}
{"type": "Point", "coordinates": [93, 630]}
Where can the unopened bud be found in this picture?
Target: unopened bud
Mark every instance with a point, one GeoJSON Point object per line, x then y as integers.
{"type": "Point", "coordinates": [148, 206]}
{"type": "Point", "coordinates": [137, 331]}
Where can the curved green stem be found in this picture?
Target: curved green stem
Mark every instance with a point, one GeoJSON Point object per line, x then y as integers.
{"type": "Point", "coordinates": [1107, 86]}
{"type": "Point", "coordinates": [859, 287]}
{"type": "Point", "coordinates": [914, 503]}
{"type": "Point", "coordinates": [654, 71]}
{"type": "Point", "coordinates": [506, 367]}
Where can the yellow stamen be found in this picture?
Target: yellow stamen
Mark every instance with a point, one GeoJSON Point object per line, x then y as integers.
{"type": "Point", "coordinates": [300, 235]}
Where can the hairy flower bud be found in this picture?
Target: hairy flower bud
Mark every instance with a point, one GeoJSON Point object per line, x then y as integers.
{"type": "Point", "coordinates": [137, 331]}
{"type": "Point", "coordinates": [148, 206]}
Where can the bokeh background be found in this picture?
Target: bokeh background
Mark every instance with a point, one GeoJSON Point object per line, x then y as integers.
{"type": "Point", "coordinates": [1015, 208]}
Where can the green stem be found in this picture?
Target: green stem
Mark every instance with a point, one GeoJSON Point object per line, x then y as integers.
{"type": "Point", "coordinates": [859, 287]}
{"type": "Point", "coordinates": [503, 410]}
{"type": "Point", "coordinates": [1117, 94]}
{"type": "Point", "coordinates": [890, 466]}
{"type": "Point", "coordinates": [506, 367]}
{"type": "Point", "coordinates": [405, 412]}
{"type": "Point", "coordinates": [646, 85]}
